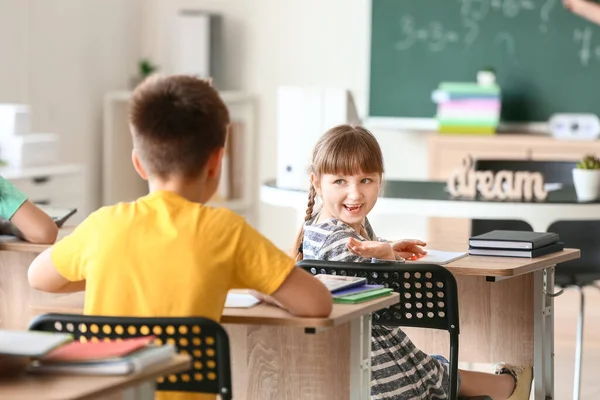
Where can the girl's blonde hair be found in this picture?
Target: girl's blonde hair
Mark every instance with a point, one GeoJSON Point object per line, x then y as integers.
{"type": "Point", "coordinates": [342, 150]}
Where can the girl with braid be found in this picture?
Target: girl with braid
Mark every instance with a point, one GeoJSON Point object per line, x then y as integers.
{"type": "Point", "coordinates": [346, 177]}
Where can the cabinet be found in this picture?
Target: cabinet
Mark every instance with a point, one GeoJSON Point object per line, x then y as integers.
{"type": "Point", "coordinates": [446, 152]}
{"type": "Point", "coordinates": [61, 186]}
{"type": "Point", "coordinates": [120, 182]}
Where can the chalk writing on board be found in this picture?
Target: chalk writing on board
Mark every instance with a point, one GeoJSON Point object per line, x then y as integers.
{"type": "Point", "coordinates": [475, 10]}
{"type": "Point", "coordinates": [478, 10]}
{"type": "Point", "coordinates": [472, 32]}
{"type": "Point", "coordinates": [506, 40]}
{"type": "Point", "coordinates": [434, 35]}
{"type": "Point", "coordinates": [584, 37]}
{"type": "Point", "coordinates": [545, 11]}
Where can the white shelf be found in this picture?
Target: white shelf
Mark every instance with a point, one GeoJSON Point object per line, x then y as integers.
{"type": "Point", "coordinates": [35, 172]}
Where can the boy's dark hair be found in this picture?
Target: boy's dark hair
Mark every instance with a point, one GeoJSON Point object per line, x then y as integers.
{"type": "Point", "coordinates": [177, 122]}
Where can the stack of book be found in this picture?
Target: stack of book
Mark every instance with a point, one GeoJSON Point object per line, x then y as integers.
{"type": "Point", "coordinates": [103, 357]}
{"type": "Point", "coordinates": [515, 244]}
{"type": "Point", "coordinates": [468, 107]}
{"type": "Point", "coordinates": [352, 289]}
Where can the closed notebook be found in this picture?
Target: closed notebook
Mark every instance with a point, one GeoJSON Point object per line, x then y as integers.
{"type": "Point", "coordinates": [356, 290]}
{"type": "Point", "coordinates": [438, 257]}
{"type": "Point", "coordinates": [339, 282]}
{"type": "Point", "coordinates": [513, 240]}
{"type": "Point", "coordinates": [542, 251]}
{"type": "Point", "coordinates": [94, 351]}
{"type": "Point", "coordinates": [31, 343]}
{"type": "Point", "coordinates": [362, 297]}
{"type": "Point", "coordinates": [131, 363]}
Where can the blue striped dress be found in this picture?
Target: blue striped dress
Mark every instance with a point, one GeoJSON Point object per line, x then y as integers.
{"type": "Point", "coordinates": [399, 371]}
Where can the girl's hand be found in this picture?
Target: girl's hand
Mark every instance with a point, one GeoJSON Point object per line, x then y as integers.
{"type": "Point", "coordinates": [371, 249]}
{"type": "Point", "coordinates": [409, 249]}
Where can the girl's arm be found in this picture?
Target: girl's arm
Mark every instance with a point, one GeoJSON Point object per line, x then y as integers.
{"type": "Point", "coordinates": [586, 9]}
{"type": "Point", "coordinates": [34, 224]}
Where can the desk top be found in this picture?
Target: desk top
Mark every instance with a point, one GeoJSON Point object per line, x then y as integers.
{"type": "Point", "coordinates": [83, 387]}
{"type": "Point", "coordinates": [264, 314]}
{"type": "Point", "coordinates": [508, 266]}
{"type": "Point", "coordinates": [15, 244]}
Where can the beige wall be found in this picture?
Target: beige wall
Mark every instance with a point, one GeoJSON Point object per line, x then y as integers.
{"type": "Point", "coordinates": [61, 56]}
{"type": "Point", "coordinates": [297, 42]}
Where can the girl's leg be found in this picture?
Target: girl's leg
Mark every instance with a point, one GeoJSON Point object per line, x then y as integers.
{"type": "Point", "coordinates": [498, 387]}
{"type": "Point", "coordinates": [510, 382]}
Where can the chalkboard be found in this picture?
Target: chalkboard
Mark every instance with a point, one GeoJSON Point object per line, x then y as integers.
{"type": "Point", "coordinates": [546, 59]}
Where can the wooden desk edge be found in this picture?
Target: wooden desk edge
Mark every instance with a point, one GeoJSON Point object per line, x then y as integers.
{"type": "Point", "coordinates": [536, 264]}
{"type": "Point", "coordinates": [285, 319]}
{"type": "Point", "coordinates": [178, 363]}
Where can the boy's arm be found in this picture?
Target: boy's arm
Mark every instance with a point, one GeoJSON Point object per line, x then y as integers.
{"type": "Point", "coordinates": [303, 295]}
{"type": "Point", "coordinates": [263, 267]}
{"type": "Point", "coordinates": [44, 276]}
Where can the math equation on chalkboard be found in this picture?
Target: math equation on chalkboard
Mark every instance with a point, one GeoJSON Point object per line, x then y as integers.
{"type": "Point", "coordinates": [437, 36]}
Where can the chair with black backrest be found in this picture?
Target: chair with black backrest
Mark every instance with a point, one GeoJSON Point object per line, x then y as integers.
{"type": "Point", "coordinates": [428, 298]}
{"type": "Point", "coordinates": [583, 235]}
{"type": "Point", "coordinates": [203, 339]}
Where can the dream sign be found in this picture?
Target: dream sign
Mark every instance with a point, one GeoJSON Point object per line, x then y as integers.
{"type": "Point", "coordinates": [502, 185]}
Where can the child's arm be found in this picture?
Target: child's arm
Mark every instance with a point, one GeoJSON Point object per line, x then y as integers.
{"type": "Point", "coordinates": [303, 295]}
{"type": "Point", "coordinates": [271, 274]}
{"type": "Point", "coordinates": [44, 276]}
{"type": "Point", "coordinates": [371, 249]}
{"type": "Point", "coordinates": [586, 9]}
{"type": "Point", "coordinates": [33, 224]}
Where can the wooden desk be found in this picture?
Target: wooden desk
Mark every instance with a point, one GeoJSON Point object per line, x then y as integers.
{"type": "Point", "coordinates": [274, 354]}
{"type": "Point", "coordinates": [274, 357]}
{"type": "Point", "coordinates": [86, 387]}
{"type": "Point", "coordinates": [504, 312]}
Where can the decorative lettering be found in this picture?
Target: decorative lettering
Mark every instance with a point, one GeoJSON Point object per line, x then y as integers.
{"type": "Point", "coordinates": [504, 185]}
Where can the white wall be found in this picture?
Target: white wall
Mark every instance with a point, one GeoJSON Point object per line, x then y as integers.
{"type": "Point", "coordinates": [61, 56]}
{"type": "Point", "coordinates": [297, 42]}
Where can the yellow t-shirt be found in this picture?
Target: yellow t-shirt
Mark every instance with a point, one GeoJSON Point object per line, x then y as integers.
{"type": "Point", "coordinates": [163, 255]}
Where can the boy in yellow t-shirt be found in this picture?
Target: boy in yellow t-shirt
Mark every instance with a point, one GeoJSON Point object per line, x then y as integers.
{"type": "Point", "coordinates": [168, 254]}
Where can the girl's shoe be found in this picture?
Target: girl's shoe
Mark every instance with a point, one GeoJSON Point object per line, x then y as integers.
{"type": "Point", "coordinates": [523, 377]}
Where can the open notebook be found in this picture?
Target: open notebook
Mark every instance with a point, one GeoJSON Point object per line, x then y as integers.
{"type": "Point", "coordinates": [439, 257]}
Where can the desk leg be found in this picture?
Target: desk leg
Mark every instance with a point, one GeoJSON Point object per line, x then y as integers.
{"type": "Point", "coordinates": [143, 391]}
{"type": "Point", "coordinates": [543, 366]}
{"type": "Point", "coordinates": [360, 358]}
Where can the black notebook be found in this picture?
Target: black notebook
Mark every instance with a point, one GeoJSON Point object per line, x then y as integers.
{"type": "Point", "coordinates": [521, 240]}
{"type": "Point", "coordinates": [542, 251]}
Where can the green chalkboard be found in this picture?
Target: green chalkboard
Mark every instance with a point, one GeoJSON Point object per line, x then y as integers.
{"type": "Point", "coordinates": [546, 59]}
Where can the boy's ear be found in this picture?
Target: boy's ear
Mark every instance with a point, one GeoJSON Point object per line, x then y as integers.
{"type": "Point", "coordinates": [138, 165]}
{"type": "Point", "coordinates": [213, 165]}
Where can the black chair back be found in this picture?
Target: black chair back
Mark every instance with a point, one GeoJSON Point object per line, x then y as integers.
{"type": "Point", "coordinates": [428, 297]}
{"type": "Point", "coordinates": [201, 338]}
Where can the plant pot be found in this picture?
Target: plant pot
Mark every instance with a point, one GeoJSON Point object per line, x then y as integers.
{"type": "Point", "coordinates": [587, 184]}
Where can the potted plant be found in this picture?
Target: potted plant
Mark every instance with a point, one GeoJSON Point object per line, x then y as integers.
{"type": "Point", "coordinates": [586, 178]}
{"type": "Point", "coordinates": [145, 69]}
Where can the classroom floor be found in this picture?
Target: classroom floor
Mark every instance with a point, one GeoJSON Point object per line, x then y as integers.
{"type": "Point", "coordinates": [565, 327]}
{"type": "Point", "coordinates": [566, 308]}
